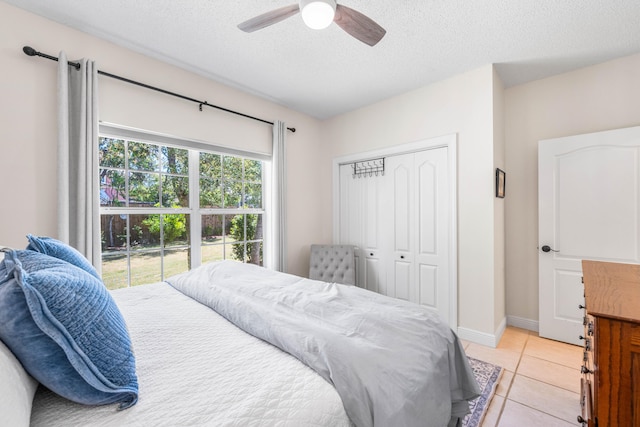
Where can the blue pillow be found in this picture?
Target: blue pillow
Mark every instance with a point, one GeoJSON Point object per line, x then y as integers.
{"type": "Point", "coordinates": [58, 249]}
{"type": "Point", "coordinates": [66, 330]}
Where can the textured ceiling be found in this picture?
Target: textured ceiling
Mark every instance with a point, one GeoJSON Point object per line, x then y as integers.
{"type": "Point", "coordinates": [324, 73]}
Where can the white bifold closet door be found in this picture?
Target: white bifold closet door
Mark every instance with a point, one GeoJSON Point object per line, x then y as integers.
{"type": "Point", "coordinates": [400, 223]}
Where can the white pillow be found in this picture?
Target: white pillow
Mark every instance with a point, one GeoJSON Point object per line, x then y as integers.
{"type": "Point", "coordinates": [17, 388]}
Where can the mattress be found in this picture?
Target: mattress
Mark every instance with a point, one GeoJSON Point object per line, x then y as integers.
{"type": "Point", "coordinates": [195, 368]}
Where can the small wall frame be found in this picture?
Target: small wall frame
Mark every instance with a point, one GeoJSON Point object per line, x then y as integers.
{"type": "Point", "coordinates": [501, 180]}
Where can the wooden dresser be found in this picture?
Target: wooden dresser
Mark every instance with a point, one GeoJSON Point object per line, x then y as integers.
{"type": "Point", "coordinates": [611, 366]}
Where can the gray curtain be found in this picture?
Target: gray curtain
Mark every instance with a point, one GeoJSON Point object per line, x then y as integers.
{"type": "Point", "coordinates": [78, 180]}
{"type": "Point", "coordinates": [279, 192]}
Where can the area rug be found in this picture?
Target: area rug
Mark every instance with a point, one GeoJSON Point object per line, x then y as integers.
{"type": "Point", "coordinates": [488, 375]}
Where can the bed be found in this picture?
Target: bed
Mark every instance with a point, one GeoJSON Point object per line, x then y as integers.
{"type": "Point", "coordinates": [231, 344]}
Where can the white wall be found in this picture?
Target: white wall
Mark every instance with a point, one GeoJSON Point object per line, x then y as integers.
{"type": "Point", "coordinates": [606, 96]}
{"type": "Point", "coordinates": [592, 99]}
{"type": "Point", "coordinates": [463, 105]}
{"type": "Point", "coordinates": [499, 207]}
{"type": "Point", "coordinates": [28, 130]}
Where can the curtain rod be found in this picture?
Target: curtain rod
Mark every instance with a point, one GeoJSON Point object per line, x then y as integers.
{"type": "Point", "coordinates": [28, 50]}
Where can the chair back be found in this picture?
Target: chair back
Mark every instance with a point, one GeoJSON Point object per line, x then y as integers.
{"type": "Point", "coordinates": [333, 263]}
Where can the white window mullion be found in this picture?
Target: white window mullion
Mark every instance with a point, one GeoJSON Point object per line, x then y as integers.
{"type": "Point", "coordinates": [160, 174]}
{"type": "Point", "coordinates": [194, 205]}
{"type": "Point", "coordinates": [267, 218]}
{"type": "Point", "coordinates": [126, 204]}
{"type": "Point", "coordinates": [161, 247]}
{"type": "Point", "coordinates": [126, 174]}
{"type": "Point", "coordinates": [246, 237]}
{"type": "Point", "coordinates": [128, 249]}
{"type": "Point", "coordinates": [244, 196]}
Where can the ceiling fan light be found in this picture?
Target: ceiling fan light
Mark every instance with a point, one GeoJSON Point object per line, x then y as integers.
{"type": "Point", "coordinates": [317, 14]}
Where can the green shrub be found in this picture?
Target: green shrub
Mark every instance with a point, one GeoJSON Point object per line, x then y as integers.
{"type": "Point", "coordinates": [174, 226]}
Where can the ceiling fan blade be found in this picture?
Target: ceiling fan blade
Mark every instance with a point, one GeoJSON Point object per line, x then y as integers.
{"type": "Point", "coordinates": [269, 18]}
{"type": "Point", "coordinates": [358, 25]}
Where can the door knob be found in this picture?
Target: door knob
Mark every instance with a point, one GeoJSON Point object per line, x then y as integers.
{"type": "Point", "coordinates": [547, 248]}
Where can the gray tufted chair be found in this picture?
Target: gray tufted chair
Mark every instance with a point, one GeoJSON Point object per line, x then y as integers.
{"type": "Point", "coordinates": [333, 263]}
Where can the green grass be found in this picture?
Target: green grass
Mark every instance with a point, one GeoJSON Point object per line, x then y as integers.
{"type": "Point", "coordinates": [146, 266]}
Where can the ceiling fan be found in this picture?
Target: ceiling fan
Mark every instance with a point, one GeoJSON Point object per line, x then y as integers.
{"type": "Point", "coordinates": [319, 14]}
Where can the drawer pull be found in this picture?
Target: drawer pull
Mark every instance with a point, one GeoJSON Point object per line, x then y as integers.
{"type": "Point", "coordinates": [581, 307]}
{"type": "Point", "coordinates": [585, 370]}
{"type": "Point", "coordinates": [581, 420]}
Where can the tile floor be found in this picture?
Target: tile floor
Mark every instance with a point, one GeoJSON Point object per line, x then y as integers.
{"type": "Point", "coordinates": [541, 382]}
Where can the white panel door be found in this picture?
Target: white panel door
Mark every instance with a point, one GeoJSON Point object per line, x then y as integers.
{"type": "Point", "coordinates": [432, 245]}
{"type": "Point", "coordinates": [399, 218]}
{"type": "Point", "coordinates": [400, 221]}
{"type": "Point", "coordinates": [589, 208]}
{"type": "Point", "coordinates": [374, 270]}
{"type": "Point", "coordinates": [360, 226]}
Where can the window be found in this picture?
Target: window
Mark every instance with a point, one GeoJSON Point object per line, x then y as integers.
{"type": "Point", "coordinates": [231, 206]}
{"type": "Point", "coordinates": [167, 208]}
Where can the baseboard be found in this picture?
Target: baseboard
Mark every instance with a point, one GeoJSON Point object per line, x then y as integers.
{"type": "Point", "coordinates": [483, 338]}
{"type": "Point", "coordinates": [521, 322]}
{"type": "Point", "coordinates": [492, 340]}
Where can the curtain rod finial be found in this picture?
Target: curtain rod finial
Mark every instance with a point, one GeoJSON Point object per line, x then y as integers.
{"type": "Point", "coordinates": [28, 50]}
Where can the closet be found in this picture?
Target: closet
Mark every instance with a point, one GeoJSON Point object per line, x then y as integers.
{"type": "Point", "coordinates": [400, 219]}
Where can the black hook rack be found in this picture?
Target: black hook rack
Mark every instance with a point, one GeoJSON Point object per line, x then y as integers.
{"type": "Point", "coordinates": [369, 168]}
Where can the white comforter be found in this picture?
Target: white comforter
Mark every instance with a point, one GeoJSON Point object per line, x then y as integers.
{"type": "Point", "coordinates": [393, 363]}
{"type": "Point", "coordinates": [197, 369]}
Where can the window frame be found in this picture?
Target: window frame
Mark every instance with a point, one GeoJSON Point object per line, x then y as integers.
{"type": "Point", "coordinates": [193, 210]}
